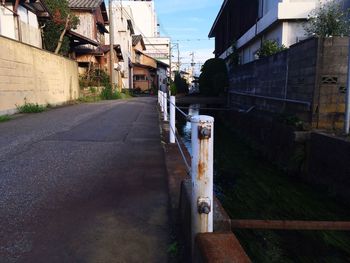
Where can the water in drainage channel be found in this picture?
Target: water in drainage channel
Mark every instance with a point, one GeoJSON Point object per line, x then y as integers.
{"type": "Point", "coordinates": [250, 187]}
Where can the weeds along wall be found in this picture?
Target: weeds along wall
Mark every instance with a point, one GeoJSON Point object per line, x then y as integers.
{"type": "Point", "coordinates": [31, 74]}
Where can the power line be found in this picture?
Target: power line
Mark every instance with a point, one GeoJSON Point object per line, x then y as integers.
{"type": "Point", "coordinates": [193, 39]}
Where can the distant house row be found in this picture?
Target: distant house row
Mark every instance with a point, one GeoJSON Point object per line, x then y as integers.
{"type": "Point", "coordinates": [135, 66]}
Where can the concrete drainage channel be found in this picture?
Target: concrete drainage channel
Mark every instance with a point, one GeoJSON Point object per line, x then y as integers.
{"type": "Point", "coordinates": [202, 226]}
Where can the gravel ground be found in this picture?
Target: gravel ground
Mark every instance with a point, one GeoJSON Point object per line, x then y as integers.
{"type": "Point", "coordinates": [84, 183]}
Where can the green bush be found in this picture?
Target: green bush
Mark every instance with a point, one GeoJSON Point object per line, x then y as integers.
{"type": "Point", "coordinates": [269, 48]}
{"type": "Point", "coordinates": [94, 78]}
{"type": "Point", "coordinates": [180, 84]}
{"type": "Point", "coordinates": [30, 108]}
{"type": "Point", "coordinates": [108, 93]}
{"type": "Point", "coordinates": [173, 89]}
{"type": "Point", "coordinates": [213, 79]}
{"type": "Point", "coordinates": [328, 20]}
{"type": "Point", "coordinates": [4, 118]}
{"type": "Point", "coordinates": [61, 13]}
{"type": "Point", "coordinates": [234, 58]}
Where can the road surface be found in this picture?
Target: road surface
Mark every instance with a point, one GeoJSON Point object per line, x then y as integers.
{"type": "Point", "coordinates": [84, 183]}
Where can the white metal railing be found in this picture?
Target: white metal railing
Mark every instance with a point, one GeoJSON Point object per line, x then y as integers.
{"type": "Point", "coordinates": [201, 169]}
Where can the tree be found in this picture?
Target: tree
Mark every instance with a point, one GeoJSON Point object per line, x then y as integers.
{"type": "Point", "coordinates": [269, 48]}
{"type": "Point", "coordinates": [328, 20]}
{"type": "Point", "coordinates": [214, 77]}
{"type": "Point", "coordinates": [181, 84]}
{"type": "Point", "coordinates": [55, 30]}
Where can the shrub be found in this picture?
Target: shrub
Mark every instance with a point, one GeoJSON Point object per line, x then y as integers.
{"type": "Point", "coordinates": [328, 20]}
{"type": "Point", "coordinates": [30, 108]}
{"type": "Point", "coordinates": [234, 58]}
{"type": "Point", "coordinates": [63, 19]}
{"type": "Point", "coordinates": [4, 118]}
{"type": "Point", "coordinates": [95, 78]}
{"type": "Point", "coordinates": [180, 84]}
{"type": "Point", "coordinates": [108, 93]}
{"type": "Point", "coordinates": [173, 90]}
{"type": "Point", "coordinates": [213, 79]}
{"type": "Point", "coordinates": [269, 48]}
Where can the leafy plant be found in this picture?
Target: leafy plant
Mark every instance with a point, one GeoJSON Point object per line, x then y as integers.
{"type": "Point", "coordinates": [108, 93]}
{"type": "Point", "coordinates": [292, 120]}
{"type": "Point", "coordinates": [173, 89]}
{"type": "Point", "coordinates": [30, 108]}
{"type": "Point", "coordinates": [214, 77]}
{"type": "Point", "coordinates": [4, 118]}
{"type": "Point", "coordinates": [93, 90]}
{"type": "Point", "coordinates": [328, 20]}
{"type": "Point", "coordinates": [55, 29]}
{"type": "Point", "coordinates": [94, 78]}
{"type": "Point", "coordinates": [89, 99]}
{"type": "Point", "coordinates": [180, 84]}
{"type": "Point", "coordinates": [269, 48]}
{"type": "Point", "coordinates": [173, 249]}
{"type": "Point", "coordinates": [234, 58]}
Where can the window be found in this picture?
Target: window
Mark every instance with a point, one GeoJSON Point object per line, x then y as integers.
{"type": "Point", "coordinates": [138, 58]}
{"type": "Point", "coordinates": [140, 77]}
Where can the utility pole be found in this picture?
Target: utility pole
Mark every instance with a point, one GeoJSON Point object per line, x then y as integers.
{"type": "Point", "coordinates": [192, 63]}
{"type": "Point", "coordinates": [111, 42]}
{"type": "Point", "coordinates": [170, 54]}
{"type": "Point", "coordinates": [178, 57]}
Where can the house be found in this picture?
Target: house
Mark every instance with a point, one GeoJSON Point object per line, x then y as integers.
{"type": "Point", "coordinates": [20, 20]}
{"type": "Point", "coordinates": [88, 40]}
{"type": "Point", "coordinates": [144, 18]}
{"type": "Point", "coordinates": [162, 73]}
{"type": "Point", "coordinates": [123, 31]}
{"type": "Point", "coordinates": [246, 24]}
{"type": "Point", "coordinates": [145, 77]}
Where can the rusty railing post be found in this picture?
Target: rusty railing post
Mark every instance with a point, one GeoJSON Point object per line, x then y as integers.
{"type": "Point", "coordinates": [202, 175]}
{"type": "Point", "coordinates": [172, 119]}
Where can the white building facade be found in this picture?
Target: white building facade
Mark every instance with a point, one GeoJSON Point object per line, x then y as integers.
{"type": "Point", "coordinates": [145, 23]}
{"type": "Point", "coordinates": [123, 32]}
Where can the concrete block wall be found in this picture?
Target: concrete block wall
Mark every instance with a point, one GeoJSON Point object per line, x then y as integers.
{"type": "Point", "coordinates": [31, 74]}
{"type": "Point", "coordinates": [312, 71]}
{"type": "Point", "coordinates": [332, 79]}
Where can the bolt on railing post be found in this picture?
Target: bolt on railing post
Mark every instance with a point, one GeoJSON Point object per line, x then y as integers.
{"type": "Point", "coordinates": [172, 119]}
{"type": "Point", "coordinates": [202, 137]}
{"type": "Point", "coordinates": [165, 111]}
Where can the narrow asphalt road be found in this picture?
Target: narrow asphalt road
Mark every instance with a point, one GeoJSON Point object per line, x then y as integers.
{"type": "Point", "coordinates": [84, 183]}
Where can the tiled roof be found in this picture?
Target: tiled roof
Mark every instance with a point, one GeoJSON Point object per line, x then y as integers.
{"type": "Point", "coordinates": [136, 39]}
{"type": "Point", "coordinates": [85, 4]}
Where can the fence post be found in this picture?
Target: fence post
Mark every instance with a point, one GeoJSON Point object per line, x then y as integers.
{"type": "Point", "coordinates": [172, 119]}
{"type": "Point", "coordinates": [161, 101]}
{"type": "Point", "coordinates": [202, 137]}
{"type": "Point", "coordinates": [165, 105]}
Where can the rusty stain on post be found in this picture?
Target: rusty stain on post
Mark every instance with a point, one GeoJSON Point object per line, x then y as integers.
{"type": "Point", "coordinates": [202, 174]}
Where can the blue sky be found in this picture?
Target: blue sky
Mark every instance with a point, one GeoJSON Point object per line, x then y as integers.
{"type": "Point", "coordinates": [189, 19]}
